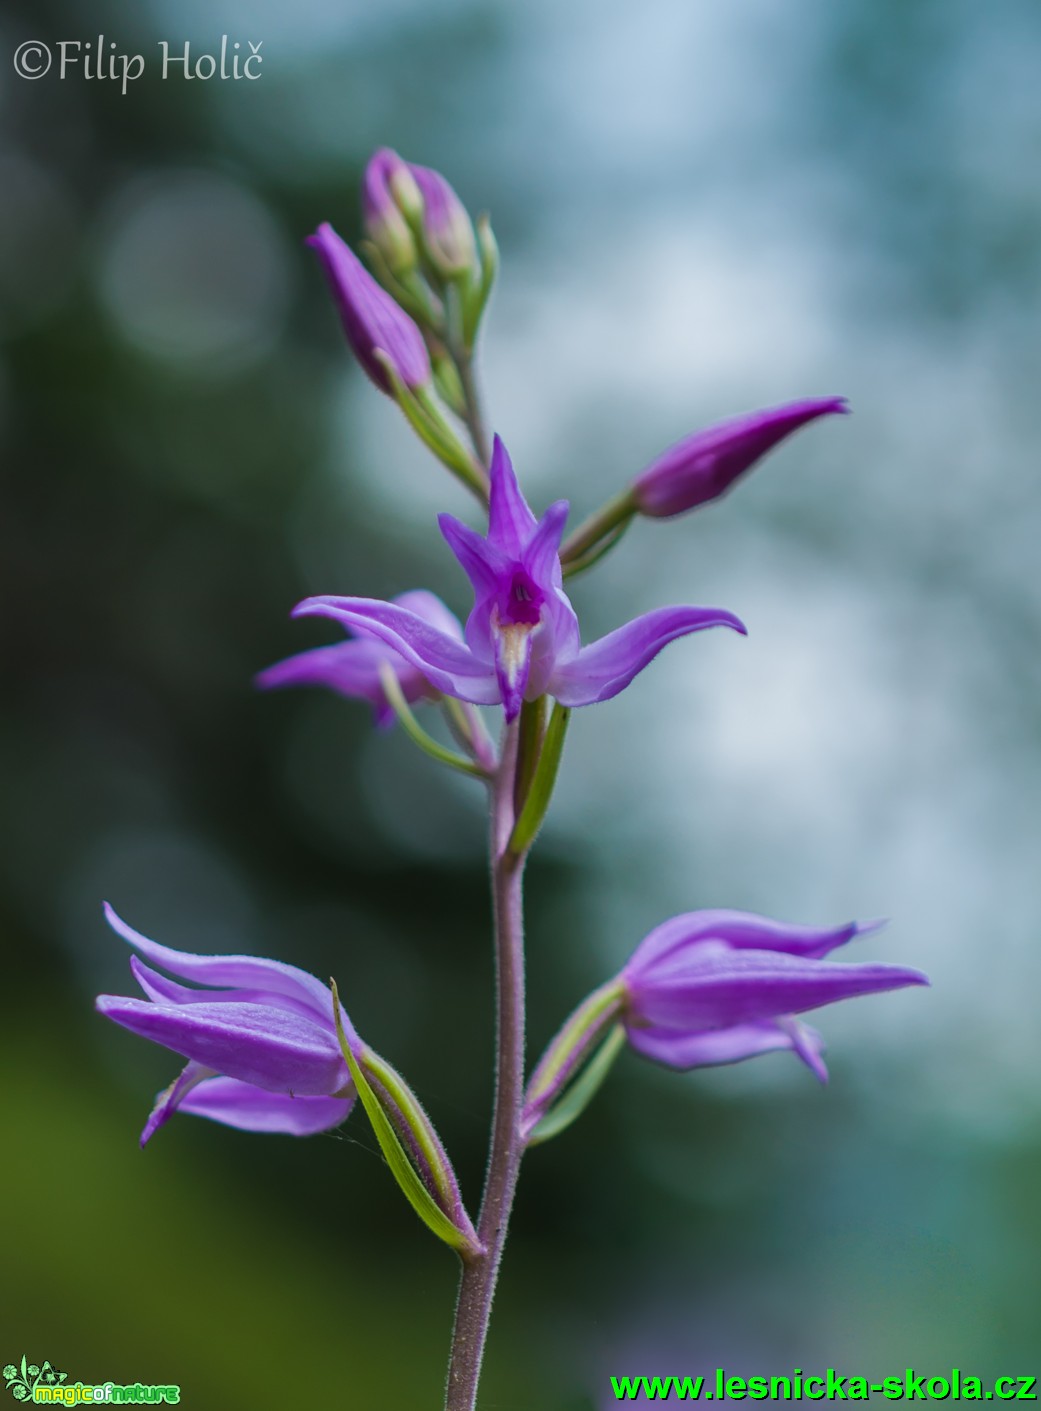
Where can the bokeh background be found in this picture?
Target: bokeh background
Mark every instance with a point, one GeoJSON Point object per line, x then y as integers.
{"type": "Point", "coordinates": [702, 208]}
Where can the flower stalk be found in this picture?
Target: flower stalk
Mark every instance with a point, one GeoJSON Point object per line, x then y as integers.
{"type": "Point", "coordinates": [480, 1274]}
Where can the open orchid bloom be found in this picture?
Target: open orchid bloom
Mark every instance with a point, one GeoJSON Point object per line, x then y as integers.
{"type": "Point", "coordinates": [714, 987]}
{"type": "Point", "coordinates": [262, 1049]}
{"type": "Point", "coordinates": [522, 637]}
{"type": "Point", "coordinates": [353, 668]}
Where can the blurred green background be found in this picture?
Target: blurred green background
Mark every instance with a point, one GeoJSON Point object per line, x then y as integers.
{"type": "Point", "coordinates": [702, 208]}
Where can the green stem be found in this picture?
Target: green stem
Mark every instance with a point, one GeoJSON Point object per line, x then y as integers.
{"type": "Point", "coordinates": [606, 523]}
{"type": "Point", "coordinates": [462, 356]}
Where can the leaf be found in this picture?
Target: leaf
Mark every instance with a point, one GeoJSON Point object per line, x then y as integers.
{"type": "Point", "coordinates": [397, 1159]}
{"type": "Point", "coordinates": [545, 776]}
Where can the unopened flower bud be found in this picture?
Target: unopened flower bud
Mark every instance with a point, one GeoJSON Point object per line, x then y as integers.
{"type": "Point", "coordinates": [390, 197]}
{"type": "Point", "coordinates": [375, 325]}
{"type": "Point", "coordinates": [447, 229]}
{"type": "Point", "coordinates": [705, 465]}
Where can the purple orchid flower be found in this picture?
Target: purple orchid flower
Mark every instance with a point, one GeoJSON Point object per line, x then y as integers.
{"type": "Point", "coordinates": [262, 1049]}
{"type": "Point", "coordinates": [373, 322]}
{"type": "Point", "coordinates": [705, 465]}
{"type": "Point", "coordinates": [522, 637]}
{"type": "Point", "coordinates": [353, 668]}
{"type": "Point", "coordinates": [715, 987]}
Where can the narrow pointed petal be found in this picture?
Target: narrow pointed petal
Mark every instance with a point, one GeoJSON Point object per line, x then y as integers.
{"type": "Point", "coordinates": [510, 521]}
{"type": "Point", "coordinates": [680, 1049]}
{"type": "Point", "coordinates": [353, 668]}
{"type": "Point", "coordinates": [164, 991]}
{"type": "Point", "coordinates": [249, 971]}
{"type": "Point", "coordinates": [256, 1043]}
{"type": "Point", "coordinates": [742, 929]}
{"type": "Point", "coordinates": [445, 662]}
{"type": "Point", "coordinates": [808, 1045]}
{"type": "Point", "coordinates": [350, 668]}
{"type": "Point", "coordinates": [606, 667]}
{"type": "Point", "coordinates": [168, 1101]}
{"type": "Point", "coordinates": [253, 1109]}
{"type": "Point", "coordinates": [542, 554]}
{"type": "Point", "coordinates": [720, 986]}
{"type": "Point", "coordinates": [482, 562]}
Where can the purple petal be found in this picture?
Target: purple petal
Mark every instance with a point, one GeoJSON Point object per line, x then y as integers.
{"type": "Point", "coordinates": [483, 563]}
{"type": "Point", "coordinates": [257, 1043]}
{"type": "Point", "coordinates": [445, 662]}
{"type": "Point", "coordinates": [510, 521]}
{"type": "Point", "coordinates": [431, 609]}
{"type": "Point", "coordinates": [252, 1109]}
{"type": "Point", "coordinates": [720, 986]}
{"type": "Point", "coordinates": [704, 466]}
{"type": "Point", "coordinates": [248, 971]}
{"type": "Point", "coordinates": [542, 553]}
{"type": "Point", "coordinates": [741, 929]}
{"type": "Point", "coordinates": [606, 667]}
{"type": "Point", "coordinates": [683, 1050]}
{"type": "Point", "coordinates": [371, 319]}
{"type": "Point", "coordinates": [349, 668]}
{"type": "Point", "coordinates": [168, 1101]}
{"type": "Point", "coordinates": [353, 668]}
{"type": "Point", "coordinates": [157, 987]}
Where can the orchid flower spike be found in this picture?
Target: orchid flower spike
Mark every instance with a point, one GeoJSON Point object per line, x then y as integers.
{"type": "Point", "coordinates": [714, 987]}
{"type": "Point", "coordinates": [352, 668]}
{"type": "Point", "coordinates": [522, 637]}
{"type": "Point", "coordinates": [703, 466]}
{"type": "Point", "coordinates": [377, 328]}
{"type": "Point", "coordinates": [262, 1049]}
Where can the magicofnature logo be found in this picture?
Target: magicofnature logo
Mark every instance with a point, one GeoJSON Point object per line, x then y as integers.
{"type": "Point", "coordinates": [22, 1381]}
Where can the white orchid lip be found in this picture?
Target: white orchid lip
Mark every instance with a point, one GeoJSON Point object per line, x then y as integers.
{"type": "Point", "coordinates": [514, 648]}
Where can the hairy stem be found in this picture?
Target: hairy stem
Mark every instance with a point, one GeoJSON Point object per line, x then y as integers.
{"type": "Point", "coordinates": [480, 1272]}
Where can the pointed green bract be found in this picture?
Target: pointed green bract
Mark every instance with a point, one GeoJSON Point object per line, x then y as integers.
{"type": "Point", "coordinates": [582, 1091]}
{"type": "Point", "coordinates": [540, 792]}
{"type": "Point", "coordinates": [476, 297]}
{"type": "Point", "coordinates": [415, 731]}
{"type": "Point", "coordinates": [423, 416]}
{"type": "Point", "coordinates": [397, 1158]}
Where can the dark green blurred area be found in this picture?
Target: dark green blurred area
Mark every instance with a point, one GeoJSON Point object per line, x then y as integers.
{"type": "Point", "coordinates": [162, 506]}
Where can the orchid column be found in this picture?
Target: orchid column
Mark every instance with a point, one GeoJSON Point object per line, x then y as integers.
{"type": "Point", "coordinates": [268, 1046]}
